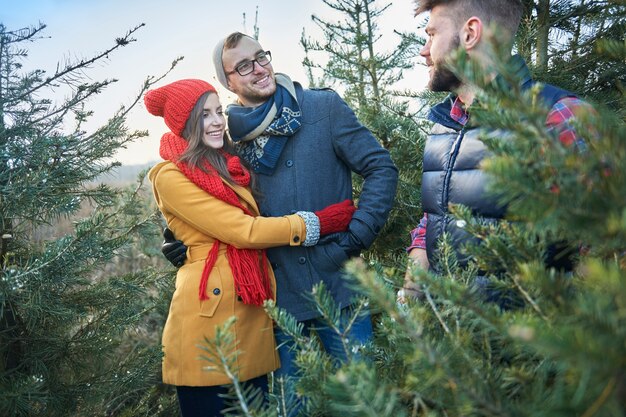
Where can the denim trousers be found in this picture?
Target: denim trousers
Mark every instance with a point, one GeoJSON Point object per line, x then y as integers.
{"type": "Point", "coordinates": [360, 333]}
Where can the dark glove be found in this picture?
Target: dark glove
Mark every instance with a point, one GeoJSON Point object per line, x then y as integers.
{"type": "Point", "coordinates": [174, 250]}
{"type": "Point", "coordinates": [561, 256]}
{"type": "Point", "coordinates": [336, 217]}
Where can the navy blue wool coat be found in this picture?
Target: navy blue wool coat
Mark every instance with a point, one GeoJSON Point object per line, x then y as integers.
{"type": "Point", "coordinates": [314, 170]}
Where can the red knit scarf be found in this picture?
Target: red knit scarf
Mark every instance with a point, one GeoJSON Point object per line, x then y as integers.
{"type": "Point", "coordinates": [249, 266]}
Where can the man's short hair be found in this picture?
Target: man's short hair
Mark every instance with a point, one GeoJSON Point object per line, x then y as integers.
{"type": "Point", "coordinates": [232, 40]}
{"type": "Point", "coordinates": [506, 14]}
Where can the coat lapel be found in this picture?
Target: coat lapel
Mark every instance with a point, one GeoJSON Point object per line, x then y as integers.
{"type": "Point", "coordinates": [245, 195]}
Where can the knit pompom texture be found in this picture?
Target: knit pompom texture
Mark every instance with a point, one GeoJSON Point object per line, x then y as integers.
{"type": "Point", "coordinates": [175, 101]}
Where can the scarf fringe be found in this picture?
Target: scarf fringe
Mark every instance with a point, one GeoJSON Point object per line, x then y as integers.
{"type": "Point", "coordinates": [246, 265]}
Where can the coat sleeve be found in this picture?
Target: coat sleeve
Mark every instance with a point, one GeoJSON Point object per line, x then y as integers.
{"type": "Point", "coordinates": [365, 156]}
{"type": "Point", "coordinates": [175, 194]}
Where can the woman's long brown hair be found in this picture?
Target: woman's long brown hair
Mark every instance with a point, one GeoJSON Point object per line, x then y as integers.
{"type": "Point", "coordinates": [197, 151]}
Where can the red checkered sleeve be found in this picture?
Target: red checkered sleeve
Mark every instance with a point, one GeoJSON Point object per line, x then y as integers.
{"type": "Point", "coordinates": [560, 118]}
{"type": "Point", "coordinates": [418, 235]}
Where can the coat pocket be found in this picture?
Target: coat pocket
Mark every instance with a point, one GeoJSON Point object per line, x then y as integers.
{"type": "Point", "coordinates": [331, 257]}
{"type": "Point", "coordinates": [215, 292]}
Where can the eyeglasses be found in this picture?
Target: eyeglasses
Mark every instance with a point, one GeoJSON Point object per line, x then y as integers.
{"type": "Point", "coordinates": [246, 67]}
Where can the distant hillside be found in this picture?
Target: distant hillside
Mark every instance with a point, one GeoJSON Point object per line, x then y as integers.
{"type": "Point", "coordinates": [124, 175]}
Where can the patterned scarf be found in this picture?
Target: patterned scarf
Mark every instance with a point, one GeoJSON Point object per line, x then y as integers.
{"type": "Point", "coordinates": [249, 266]}
{"type": "Point", "coordinates": [260, 133]}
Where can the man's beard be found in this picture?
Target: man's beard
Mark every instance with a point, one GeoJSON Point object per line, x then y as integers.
{"type": "Point", "coordinates": [444, 79]}
{"type": "Point", "coordinates": [253, 95]}
{"type": "Point", "coordinates": [264, 96]}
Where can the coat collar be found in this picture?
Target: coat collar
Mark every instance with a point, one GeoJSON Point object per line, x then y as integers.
{"type": "Point", "coordinates": [245, 195]}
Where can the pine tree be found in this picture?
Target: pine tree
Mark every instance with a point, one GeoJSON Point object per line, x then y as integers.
{"type": "Point", "coordinates": [70, 320]}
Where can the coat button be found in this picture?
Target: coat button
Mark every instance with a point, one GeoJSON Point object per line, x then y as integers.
{"type": "Point", "coordinates": [302, 260]}
{"type": "Point", "coordinates": [289, 163]}
{"type": "Point", "coordinates": [293, 211]}
{"type": "Point", "coordinates": [296, 239]}
{"type": "Point", "coordinates": [216, 291]}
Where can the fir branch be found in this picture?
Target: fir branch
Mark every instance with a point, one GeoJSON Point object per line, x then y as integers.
{"type": "Point", "coordinates": [76, 240]}
{"type": "Point", "coordinates": [123, 111]}
{"type": "Point", "coordinates": [601, 400]}
{"type": "Point", "coordinates": [528, 298]}
{"type": "Point", "coordinates": [222, 354]}
{"type": "Point", "coordinates": [435, 310]}
{"type": "Point", "coordinates": [71, 68]}
{"type": "Point", "coordinates": [282, 396]}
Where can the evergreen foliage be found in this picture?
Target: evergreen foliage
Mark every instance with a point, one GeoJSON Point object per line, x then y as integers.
{"type": "Point", "coordinates": [75, 307]}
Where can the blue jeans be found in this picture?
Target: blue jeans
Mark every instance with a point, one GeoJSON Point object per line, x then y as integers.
{"type": "Point", "coordinates": [360, 333]}
{"type": "Point", "coordinates": [506, 300]}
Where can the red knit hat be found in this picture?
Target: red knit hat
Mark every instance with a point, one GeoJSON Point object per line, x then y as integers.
{"type": "Point", "coordinates": [175, 101]}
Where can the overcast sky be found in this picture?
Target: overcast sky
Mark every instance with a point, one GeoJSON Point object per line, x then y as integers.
{"type": "Point", "coordinates": [189, 28]}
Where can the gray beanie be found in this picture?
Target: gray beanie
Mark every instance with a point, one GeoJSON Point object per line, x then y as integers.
{"type": "Point", "coordinates": [219, 65]}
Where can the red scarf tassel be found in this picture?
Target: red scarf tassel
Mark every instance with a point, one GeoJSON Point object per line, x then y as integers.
{"type": "Point", "coordinates": [208, 266]}
{"type": "Point", "coordinates": [246, 265]}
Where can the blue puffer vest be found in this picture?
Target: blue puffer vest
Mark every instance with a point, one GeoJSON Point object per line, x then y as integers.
{"type": "Point", "coordinates": [451, 172]}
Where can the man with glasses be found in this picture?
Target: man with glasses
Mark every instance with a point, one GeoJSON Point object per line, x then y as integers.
{"type": "Point", "coordinates": [304, 145]}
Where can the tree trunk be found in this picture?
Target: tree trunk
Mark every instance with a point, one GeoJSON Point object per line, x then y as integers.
{"type": "Point", "coordinates": [360, 49]}
{"type": "Point", "coordinates": [543, 32]}
{"type": "Point", "coordinates": [576, 36]}
{"type": "Point", "coordinates": [372, 62]}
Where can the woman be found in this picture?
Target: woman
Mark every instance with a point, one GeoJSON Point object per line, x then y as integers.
{"type": "Point", "coordinates": [204, 194]}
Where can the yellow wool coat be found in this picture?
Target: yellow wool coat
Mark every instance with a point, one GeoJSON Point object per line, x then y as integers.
{"type": "Point", "coordinates": [198, 219]}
